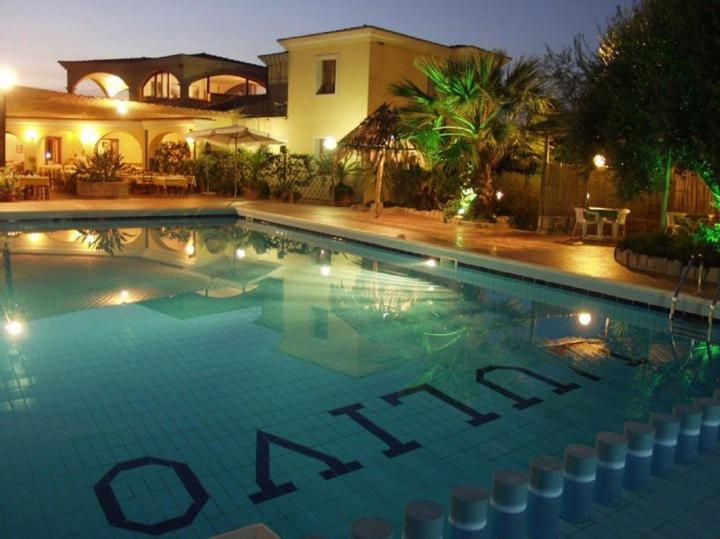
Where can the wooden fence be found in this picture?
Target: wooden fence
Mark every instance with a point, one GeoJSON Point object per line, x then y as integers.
{"type": "Point", "coordinates": [569, 186]}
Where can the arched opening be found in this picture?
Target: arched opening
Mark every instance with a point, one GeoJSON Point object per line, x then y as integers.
{"type": "Point", "coordinates": [219, 87]}
{"type": "Point", "coordinates": [14, 150]}
{"type": "Point", "coordinates": [58, 147]}
{"type": "Point", "coordinates": [161, 85]}
{"type": "Point", "coordinates": [102, 85]}
{"type": "Point", "coordinates": [124, 145]}
{"type": "Point", "coordinates": [168, 136]}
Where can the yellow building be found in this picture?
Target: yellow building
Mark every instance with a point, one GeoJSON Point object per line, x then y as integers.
{"type": "Point", "coordinates": [319, 88]}
{"type": "Point", "coordinates": [335, 79]}
{"type": "Point", "coordinates": [46, 127]}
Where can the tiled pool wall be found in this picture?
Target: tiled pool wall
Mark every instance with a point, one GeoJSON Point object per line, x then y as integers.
{"type": "Point", "coordinates": [638, 296]}
{"type": "Point", "coordinates": [554, 495]}
{"type": "Point", "coordinates": [514, 496]}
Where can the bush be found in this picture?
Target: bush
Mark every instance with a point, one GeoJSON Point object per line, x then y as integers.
{"type": "Point", "coordinates": [100, 167]}
{"type": "Point", "coordinates": [286, 174]}
{"type": "Point", "coordinates": [680, 247]}
{"type": "Point", "coordinates": [173, 158]}
{"type": "Point", "coordinates": [521, 196]}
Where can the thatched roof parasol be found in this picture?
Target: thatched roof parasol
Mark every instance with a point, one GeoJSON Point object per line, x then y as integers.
{"type": "Point", "coordinates": [374, 139]}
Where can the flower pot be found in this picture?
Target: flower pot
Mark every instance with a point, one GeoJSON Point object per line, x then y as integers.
{"type": "Point", "coordinates": [344, 200]}
{"type": "Point", "coordinates": [251, 193]}
{"type": "Point", "coordinates": [87, 189]}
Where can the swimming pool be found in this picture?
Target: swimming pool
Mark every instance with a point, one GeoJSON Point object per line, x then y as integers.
{"type": "Point", "coordinates": [191, 378]}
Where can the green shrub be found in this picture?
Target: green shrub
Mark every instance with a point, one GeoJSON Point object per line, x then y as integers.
{"type": "Point", "coordinates": [679, 247]}
{"type": "Point", "coordinates": [173, 158]}
{"type": "Point", "coordinates": [100, 167]}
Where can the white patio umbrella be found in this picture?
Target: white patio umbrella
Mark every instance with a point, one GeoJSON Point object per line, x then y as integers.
{"type": "Point", "coordinates": [235, 134]}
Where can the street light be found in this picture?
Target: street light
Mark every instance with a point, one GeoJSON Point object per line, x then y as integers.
{"type": "Point", "coordinates": [599, 161]}
{"type": "Point", "coordinates": [7, 81]}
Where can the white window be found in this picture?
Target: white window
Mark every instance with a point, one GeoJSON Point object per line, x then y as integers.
{"type": "Point", "coordinates": [326, 75]}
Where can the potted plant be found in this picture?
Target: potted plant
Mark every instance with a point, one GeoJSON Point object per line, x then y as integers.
{"type": "Point", "coordinates": [338, 172]}
{"type": "Point", "coordinates": [8, 188]}
{"type": "Point", "coordinates": [256, 189]}
{"type": "Point", "coordinates": [342, 194]}
{"type": "Point", "coordinates": [287, 173]}
{"type": "Point", "coordinates": [98, 176]}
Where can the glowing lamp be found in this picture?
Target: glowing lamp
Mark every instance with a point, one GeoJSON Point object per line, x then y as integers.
{"type": "Point", "coordinates": [190, 141]}
{"type": "Point", "coordinates": [35, 236]}
{"type": "Point", "coordinates": [325, 270]}
{"type": "Point", "coordinates": [7, 79]}
{"type": "Point", "coordinates": [88, 135]}
{"type": "Point", "coordinates": [599, 161]}
{"type": "Point", "coordinates": [430, 262]}
{"type": "Point", "coordinates": [329, 143]}
{"type": "Point", "coordinates": [14, 328]}
{"type": "Point", "coordinates": [499, 195]}
{"type": "Point", "coordinates": [240, 253]}
{"type": "Point", "coordinates": [121, 107]}
{"type": "Point", "coordinates": [584, 319]}
{"type": "Point", "coordinates": [31, 135]}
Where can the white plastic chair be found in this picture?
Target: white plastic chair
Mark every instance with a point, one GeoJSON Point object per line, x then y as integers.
{"type": "Point", "coordinates": [585, 219]}
{"type": "Point", "coordinates": [619, 222]}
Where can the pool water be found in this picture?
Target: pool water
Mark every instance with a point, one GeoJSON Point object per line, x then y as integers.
{"type": "Point", "coordinates": [188, 379]}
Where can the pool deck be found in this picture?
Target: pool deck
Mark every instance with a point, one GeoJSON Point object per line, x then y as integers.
{"type": "Point", "coordinates": [559, 259]}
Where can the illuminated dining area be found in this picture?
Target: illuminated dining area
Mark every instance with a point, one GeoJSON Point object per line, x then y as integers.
{"type": "Point", "coordinates": [54, 143]}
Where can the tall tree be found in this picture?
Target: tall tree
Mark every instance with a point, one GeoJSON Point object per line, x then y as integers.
{"type": "Point", "coordinates": [478, 114]}
{"type": "Point", "coordinates": [644, 98]}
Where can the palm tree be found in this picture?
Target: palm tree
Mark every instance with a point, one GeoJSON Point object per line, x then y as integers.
{"type": "Point", "coordinates": [478, 114]}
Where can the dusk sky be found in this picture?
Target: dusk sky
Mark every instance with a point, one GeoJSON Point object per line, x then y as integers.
{"type": "Point", "coordinates": [35, 34]}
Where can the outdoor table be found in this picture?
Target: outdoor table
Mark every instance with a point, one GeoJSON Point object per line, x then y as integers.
{"type": "Point", "coordinates": [178, 182]}
{"type": "Point", "coordinates": [609, 214]}
{"type": "Point", "coordinates": [37, 184]}
{"type": "Point", "coordinates": [605, 215]}
{"type": "Point", "coordinates": [42, 169]}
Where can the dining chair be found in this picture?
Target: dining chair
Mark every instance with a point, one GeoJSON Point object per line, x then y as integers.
{"type": "Point", "coordinates": [619, 222]}
{"type": "Point", "coordinates": [585, 219]}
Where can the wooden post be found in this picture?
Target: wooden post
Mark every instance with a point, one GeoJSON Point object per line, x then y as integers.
{"type": "Point", "coordinates": [3, 129]}
{"type": "Point", "coordinates": [543, 182]}
{"type": "Point", "coordinates": [378, 183]}
{"type": "Point", "coordinates": [666, 192]}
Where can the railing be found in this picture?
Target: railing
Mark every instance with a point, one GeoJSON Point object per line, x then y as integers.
{"type": "Point", "coordinates": [681, 283]}
{"type": "Point", "coordinates": [711, 314]}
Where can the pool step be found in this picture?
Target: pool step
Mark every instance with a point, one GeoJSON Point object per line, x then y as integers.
{"type": "Point", "coordinates": [693, 330]}
{"type": "Point", "coordinates": [255, 531]}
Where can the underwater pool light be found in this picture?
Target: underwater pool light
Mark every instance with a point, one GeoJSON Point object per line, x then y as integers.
{"type": "Point", "coordinates": [584, 318]}
{"type": "Point", "coordinates": [14, 328]}
{"type": "Point", "coordinates": [240, 253]}
{"type": "Point", "coordinates": [430, 262]}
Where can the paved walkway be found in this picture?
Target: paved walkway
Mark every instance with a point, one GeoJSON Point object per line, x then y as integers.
{"type": "Point", "coordinates": [555, 251]}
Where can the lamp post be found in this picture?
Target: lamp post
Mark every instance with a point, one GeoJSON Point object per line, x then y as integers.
{"type": "Point", "coordinates": [7, 81]}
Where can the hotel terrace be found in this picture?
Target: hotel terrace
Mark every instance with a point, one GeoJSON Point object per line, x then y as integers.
{"type": "Point", "coordinates": [320, 87]}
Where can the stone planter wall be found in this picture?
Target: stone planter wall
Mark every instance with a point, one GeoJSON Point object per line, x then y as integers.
{"type": "Point", "coordinates": [662, 266]}
{"type": "Point", "coordinates": [103, 189]}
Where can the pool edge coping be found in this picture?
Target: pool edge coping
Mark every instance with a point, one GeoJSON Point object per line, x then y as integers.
{"type": "Point", "coordinates": [626, 293]}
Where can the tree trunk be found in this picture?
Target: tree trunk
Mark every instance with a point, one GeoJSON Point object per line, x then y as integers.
{"type": "Point", "coordinates": [485, 190]}
{"type": "Point", "coordinates": [543, 182]}
{"type": "Point", "coordinates": [666, 192]}
{"type": "Point", "coordinates": [378, 183]}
